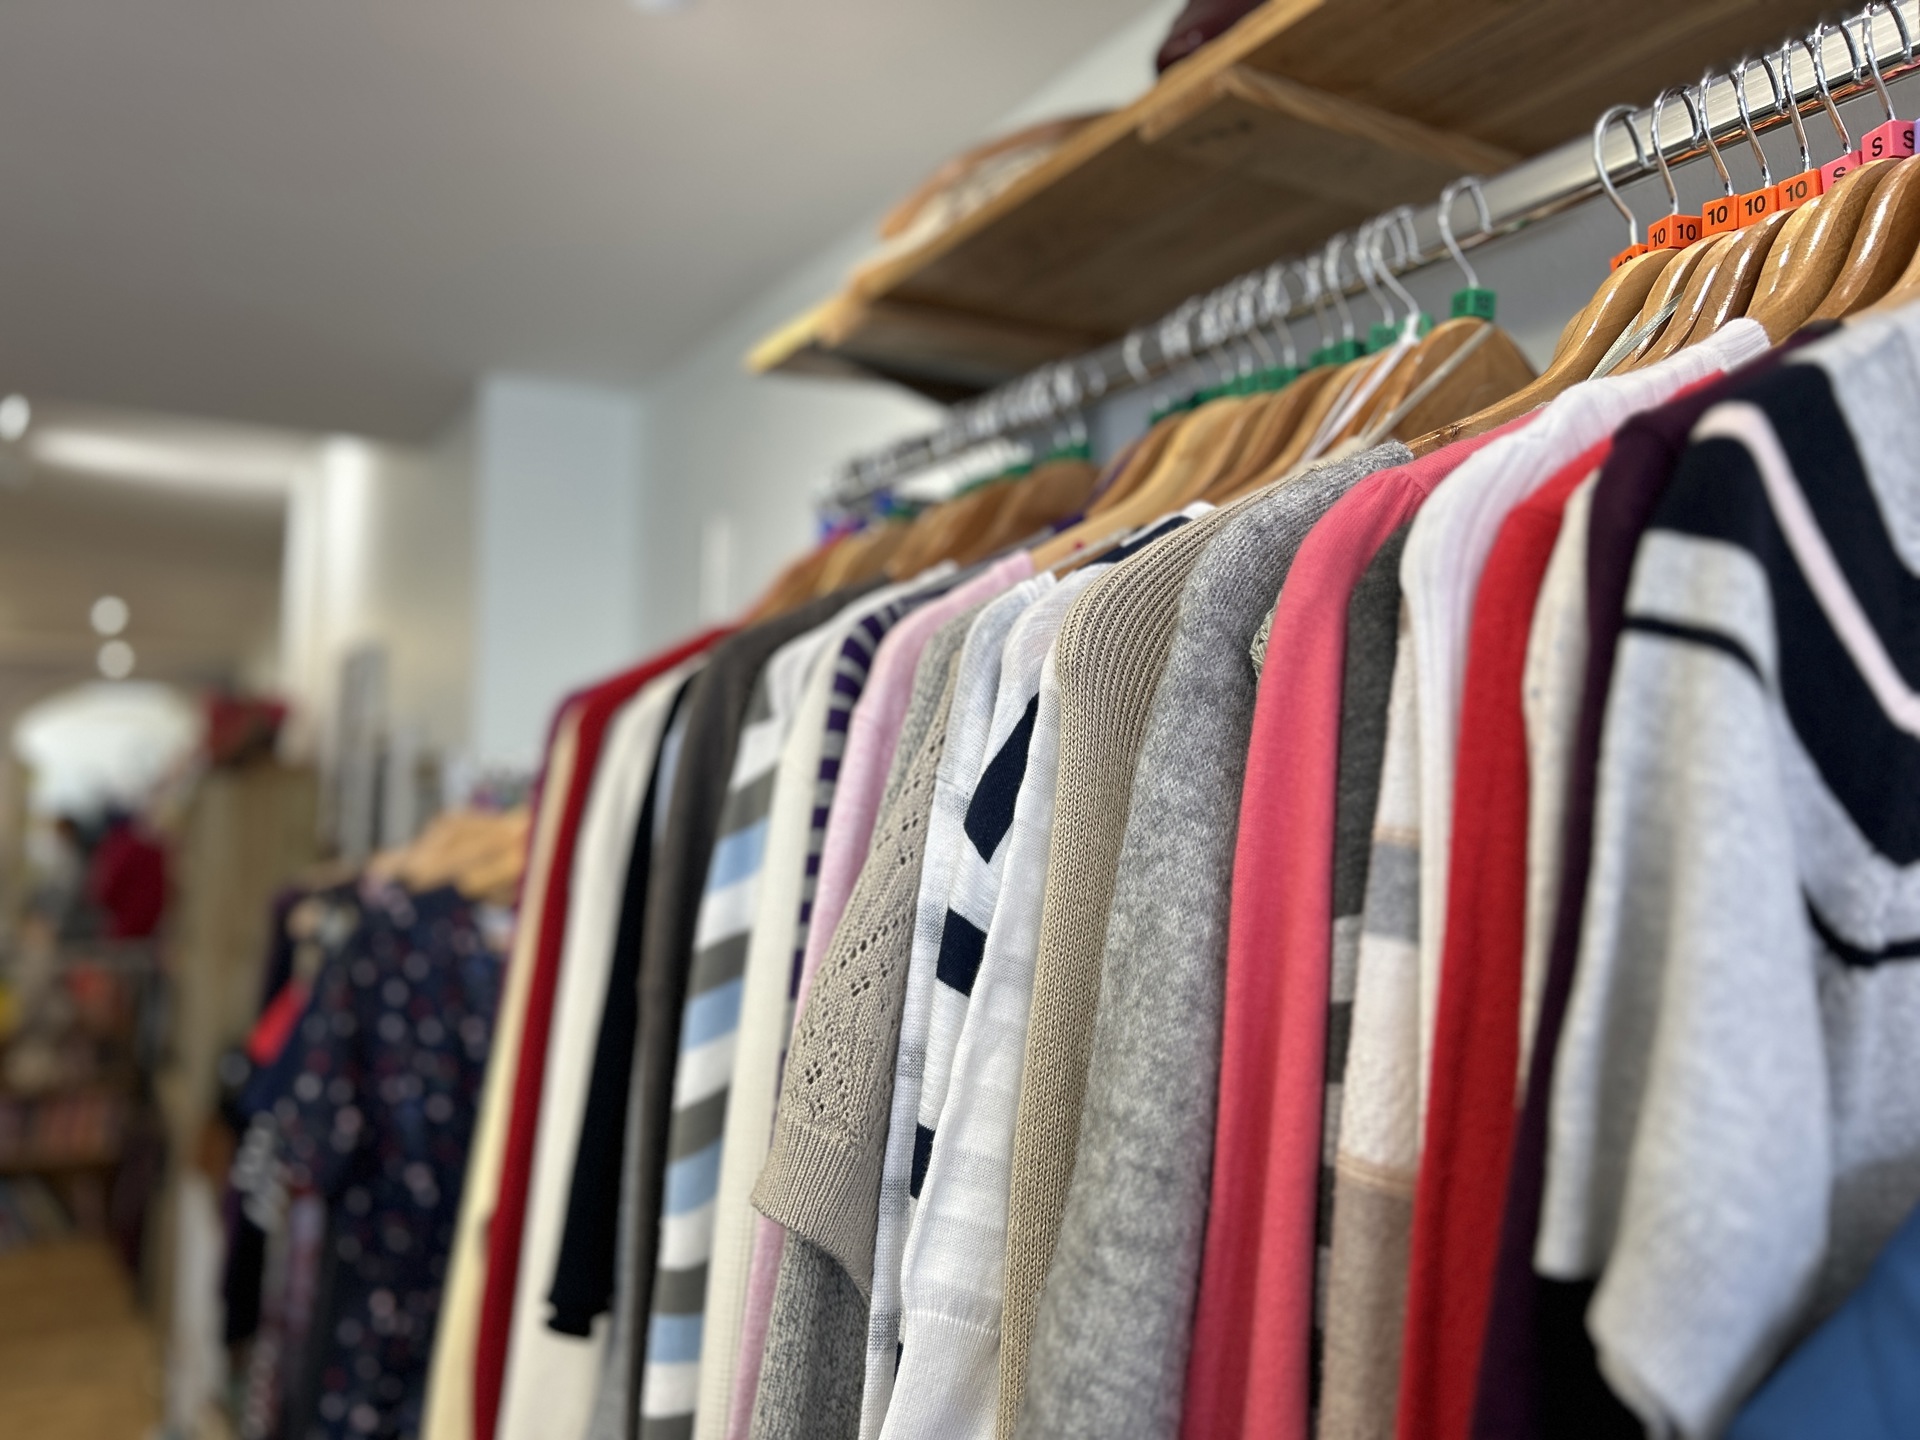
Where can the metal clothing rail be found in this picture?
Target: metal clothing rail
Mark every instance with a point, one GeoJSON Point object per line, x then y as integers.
{"type": "Point", "coordinates": [1799, 78]}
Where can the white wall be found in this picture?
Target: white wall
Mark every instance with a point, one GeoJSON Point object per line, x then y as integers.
{"type": "Point", "coordinates": [557, 553]}
{"type": "Point", "coordinates": [742, 457]}
{"type": "Point", "coordinates": [379, 550]}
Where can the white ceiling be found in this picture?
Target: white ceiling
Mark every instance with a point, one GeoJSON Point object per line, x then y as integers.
{"type": "Point", "coordinates": [334, 214]}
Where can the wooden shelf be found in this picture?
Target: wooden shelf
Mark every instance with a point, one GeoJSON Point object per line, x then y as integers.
{"type": "Point", "coordinates": [1306, 118]}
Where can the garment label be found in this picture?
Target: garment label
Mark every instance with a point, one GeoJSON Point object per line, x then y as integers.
{"type": "Point", "coordinates": [1891, 141]}
{"type": "Point", "coordinates": [1792, 193]}
{"type": "Point", "coordinates": [1673, 232]}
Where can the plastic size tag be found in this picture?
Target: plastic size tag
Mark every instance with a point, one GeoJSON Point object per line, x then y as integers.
{"type": "Point", "coordinates": [1831, 172]}
{"type": "Point", "coordinates": [1673, 232]}
{"type": "Point", "coordinates": [1632, 252]}
{"type": "Point", "coordinates": [1720, 215]}
{"type": "Point", "coordinates": [1797, 190]}
{"type": "Point", "coordinates": [1477, 301]}
{"type": "Point", "coordinates": [1891, 141]}
{"type": "Point", "coordinates": [1758, 204]}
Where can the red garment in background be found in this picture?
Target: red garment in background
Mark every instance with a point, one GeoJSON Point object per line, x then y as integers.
{"type": "Point", "coordinates": [127, 879]}
{"type": "Point", "coordinates": [1460, 1196]}
{"type": "Point", "coordinates": [1247, 1367]}
{"type": "Point", "coordinates": [597, 706]}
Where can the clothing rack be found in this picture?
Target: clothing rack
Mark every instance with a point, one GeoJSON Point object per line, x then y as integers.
{"type": "Point", "coordinates": [1831, 65]}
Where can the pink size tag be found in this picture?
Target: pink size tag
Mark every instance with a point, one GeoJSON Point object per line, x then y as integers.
{"type": "Point", "coordinates": [1834, 169]}
{"type": "Point", "coordinates": [1891, 141]}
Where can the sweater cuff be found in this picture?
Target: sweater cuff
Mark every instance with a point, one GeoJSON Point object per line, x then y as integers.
{"type": "Point", "coordinates": [826, 1191]}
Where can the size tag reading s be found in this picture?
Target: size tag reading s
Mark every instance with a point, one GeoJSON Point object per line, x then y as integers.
{"type": "Point", "coordinates": [1891, 141]}
{"type": "Point", "coordinates": [1831, 172]}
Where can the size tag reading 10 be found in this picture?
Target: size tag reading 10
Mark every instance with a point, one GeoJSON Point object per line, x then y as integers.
{"type": "Point", "coordinates": [1673, 232]}
{"type": "Point", "coordinates": [1632, 252]}
{"type": "Point", "coordinates": [1721, 215]}
{"type": "Point", "coordinates": [1758, 204]}
{"type": "Point", "coordinates": [1797, 190]}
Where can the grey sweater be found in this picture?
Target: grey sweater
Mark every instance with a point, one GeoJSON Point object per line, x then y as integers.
{"type": "Point", "coordinates": [1110, 1345]}
{"type": "Point", "coordinates": [815, 1363]}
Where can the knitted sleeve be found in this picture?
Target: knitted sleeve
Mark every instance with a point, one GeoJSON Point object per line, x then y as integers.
{"type": "Point", "coordinates": [822, 1177]}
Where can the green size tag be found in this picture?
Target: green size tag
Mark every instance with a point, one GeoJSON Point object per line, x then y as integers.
{"type": "Point", "coordinates": [1475, 300]}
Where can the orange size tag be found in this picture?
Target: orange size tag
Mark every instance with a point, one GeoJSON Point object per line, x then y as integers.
{"type": "Point", "coordinates": [1673, 232]}
{"type": "Point", "coordinates": [1632, 252]}
{"type": "Point", "coordinates": [1891, 141]}
{"type": "Point", "coordinates": [1719, 216]}
{"type": "Point", "coordinates": [1758, 204]}
{"type": "Point", "coordinates": [1797, 190]}
{"type": "Point", "coordinates": [1831, 172]}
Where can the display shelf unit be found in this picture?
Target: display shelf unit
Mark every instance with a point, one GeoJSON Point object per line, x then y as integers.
{"type": "Point", "coordinates": [1304, 119]}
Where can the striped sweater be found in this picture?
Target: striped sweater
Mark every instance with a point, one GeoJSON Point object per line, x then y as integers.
{"type": "Point", "coordinates": [1735, 1113]}
{"type": "Point", "coordinates": [709, 1022]}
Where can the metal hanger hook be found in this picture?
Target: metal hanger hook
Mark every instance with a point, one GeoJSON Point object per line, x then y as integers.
{"type": "Point", "coordinates": [1280, 310]}
{"type": "Point", "coordinates": [1746, 114]}
{"type": "Point", "coordinates": [1316, 296]}
{"type": "Point", "coordinates": [1706, 131]}
{"type": "Point", "coordinates": [1397, 223]}
{"type": "Point", "coordinates": [1130, 356]}
{"type": "Point", "coordinates": [1337, 292]}
{"type": "Point", "coordinates": [1791, 104]}
{"type": "Point", "coordinates": [1816, 44]}
{"type": "Point", "coordinates": [1366, 248]}
{"type": "Point", "coordinates": [1684, 94]}
{"type": "Point", "coordinates": [1873, 55]}
{"type": "Point", "coordinates": [1472, 183]}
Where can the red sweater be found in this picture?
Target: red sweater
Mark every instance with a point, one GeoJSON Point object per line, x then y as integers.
{"type": "Point", "coordinates": [1462, 1188]}
{"type": "Point", "coordinates": [597, 707]}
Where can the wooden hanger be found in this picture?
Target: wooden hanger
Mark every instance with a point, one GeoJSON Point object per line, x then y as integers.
{"type": "Point", "coordinates": [797, 582]}
{"type": "Point", "coordinates": [1883, 247]}
{"type": "Point", "coordinates": [1708, 257]}
{"type": "Point", "coordinates": [1284, 420]}
{"type": "Point", "coordinates": [1178, 479]}
{"type": "Point", "coordinates": [1055, 490]}
{"type": "Point", "coordinates": [1671, 292]}
{"type": "Point", "coordinates": [1803, 265]}
{"type": "Point", "coordinates": [1584, 342]}
{"type": "Point", "coordinates": [1340, 383]}
{"type": "Point", "coordinates": [1729, 287]}
{"type": "Point", "coordinates": [1146, 455]}
{"type": "Point", "coordinates": [1275, 414]}
{"type": "Point", "coordinates": [1495, 368]}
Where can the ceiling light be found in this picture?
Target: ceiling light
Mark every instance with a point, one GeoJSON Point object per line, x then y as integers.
{"type": "Point", "coordinates": [125, 457]}
{"type": "Point", "coordinates": [116, 659]}
{"type": "Point", "coordinates": [15, 415]}
{"type": "Point", "coordinates": [660, 7]}
{"type": "Point", "coordinates": [110, 615]}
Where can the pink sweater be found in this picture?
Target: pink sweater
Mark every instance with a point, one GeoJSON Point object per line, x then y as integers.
{"type": "Point", "coordinates": [1247, 1370]}
{"type": "Point", "coordinates": [872, 735]}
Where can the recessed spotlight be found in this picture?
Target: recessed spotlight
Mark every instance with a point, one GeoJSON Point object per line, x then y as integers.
{"type": "Point", "coordinates": [110, 615]}
{"type": "Point", "coordinates": [15, 415]}
{"type": "Point", "coordinates": [116, 659]}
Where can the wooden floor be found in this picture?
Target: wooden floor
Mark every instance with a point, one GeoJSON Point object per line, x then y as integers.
{"type": "Point", "coordinates": [77, 1362]}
